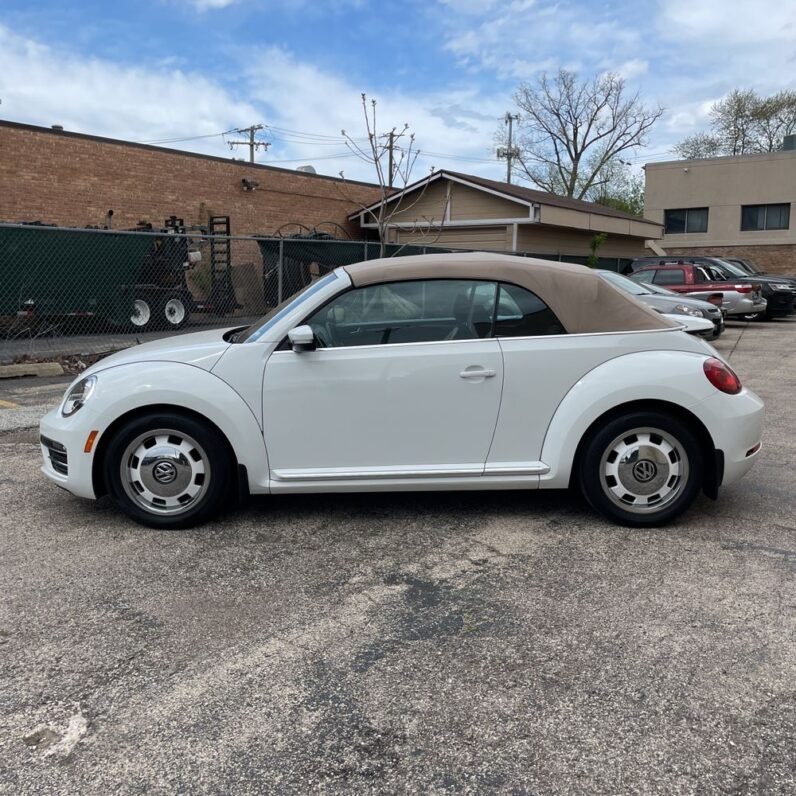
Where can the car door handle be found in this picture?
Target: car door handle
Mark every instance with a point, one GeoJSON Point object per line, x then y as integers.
{"type": "Point", "coordinates": [479, 373]}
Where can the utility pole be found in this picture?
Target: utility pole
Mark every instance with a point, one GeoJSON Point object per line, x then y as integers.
{"type": "Point", "coordinates": [252, 143]}
{"type": "Point", "coordinates": [510, 152]}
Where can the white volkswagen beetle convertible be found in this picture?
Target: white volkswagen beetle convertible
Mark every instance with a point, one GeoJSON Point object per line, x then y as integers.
{"type": "Point", "coordinates": [440, 372]}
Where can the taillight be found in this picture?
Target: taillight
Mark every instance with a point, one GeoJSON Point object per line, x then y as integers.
{"type": "Point", "coordinates": [742, 288]}
{"type": "Point", "coordinates": [721, 376]}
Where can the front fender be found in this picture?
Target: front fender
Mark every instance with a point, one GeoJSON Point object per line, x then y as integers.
{"type": "Point", "coordinates": [676, 377]}
{"type": "Point", "coordinates": [132, 387]}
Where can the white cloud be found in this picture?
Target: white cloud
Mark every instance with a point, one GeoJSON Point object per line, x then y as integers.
{"type": "Point", "coordinates": [518, 40]}
{"type": "Point", "coordinates": [211, 5]}
{"type": "Point", "coordinates": [40, 85]}
{"type": "Point", "coordinates": [631, 69]}
{"type": "Point", "coordinates": [302, 96]}
{"type": "Point", "coordinates": [731, 22]}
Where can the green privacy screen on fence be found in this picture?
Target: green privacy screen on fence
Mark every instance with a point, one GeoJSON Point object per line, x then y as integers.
{"type": "Point", "coordinates": [69, 272]}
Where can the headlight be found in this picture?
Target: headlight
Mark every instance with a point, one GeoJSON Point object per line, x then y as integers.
{"type": "Point", "coordinates": [78, 395]}
{"type": "Point", "coordinates": [681, 309]}
{"type": "Point", "coordinates": [782, 287]}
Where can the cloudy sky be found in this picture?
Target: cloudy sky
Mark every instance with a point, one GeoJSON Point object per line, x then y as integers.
{"type": "Point", "coordinates": [160, 70]}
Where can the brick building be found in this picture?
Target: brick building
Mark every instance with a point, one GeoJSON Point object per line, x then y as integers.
{"type": "Point", "coordinates": [72, 179]}
{"type": "Point", "coordinates": [734, 206]}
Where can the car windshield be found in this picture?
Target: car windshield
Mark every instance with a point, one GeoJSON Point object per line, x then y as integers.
{"type": "Point", "coordinates": [623, 283]}
{"type": "Point", "coordinates": [734, 269]}
{"type": "Point", "coordinates": [260, 327]}
{"type": "Point", "coordinates": [748, 266]}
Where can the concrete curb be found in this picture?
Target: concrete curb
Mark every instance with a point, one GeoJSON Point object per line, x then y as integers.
{"type": "Point", "coordinates": [31, 369]}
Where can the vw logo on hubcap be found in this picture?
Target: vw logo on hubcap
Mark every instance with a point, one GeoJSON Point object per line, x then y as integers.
{"type": "Point", "coordinates": [164, 472]}
{"type": "Point", "coordinates": [644, 471]}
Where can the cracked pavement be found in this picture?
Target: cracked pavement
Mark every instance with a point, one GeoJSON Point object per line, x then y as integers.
{"type": "Point", "coordinates": [412, 643]}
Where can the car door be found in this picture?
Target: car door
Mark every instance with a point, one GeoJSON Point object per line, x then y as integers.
{"type": "Point", "coordinates": [405, 383]}
{"type": "Point", "coordinates": [542, 364]}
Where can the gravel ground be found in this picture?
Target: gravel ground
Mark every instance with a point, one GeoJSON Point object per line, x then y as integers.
{"type": "Point", "coordinates": [448, 643]}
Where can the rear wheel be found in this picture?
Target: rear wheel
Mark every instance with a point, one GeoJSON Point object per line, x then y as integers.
{"type": "Point", "coordinates": [167, 470]}
{"type": "Point", "coordinates": [641, 469]}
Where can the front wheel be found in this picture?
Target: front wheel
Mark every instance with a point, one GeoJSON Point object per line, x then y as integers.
{"type": "Point", "coordinates": [167, 470]}
{"type": "Point", "coordinates": [175, 312]}
{"type": "Point", "coordinates": [641, 469]}
{"type": "Point", "coordinates": [142, 316]}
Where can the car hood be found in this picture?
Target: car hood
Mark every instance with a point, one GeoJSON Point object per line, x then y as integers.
{"type": "Point", "coordinates": [200, 349]}
{"type": "Point", "coordinates": [763, 280]}
{"type": "Point", "coordinates": [668, 303]}
{"type": "Point", "coordinates": [789, 278]}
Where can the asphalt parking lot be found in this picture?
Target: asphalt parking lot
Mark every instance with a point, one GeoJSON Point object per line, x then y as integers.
{"type": "Point", "coordinates": [431, 643]}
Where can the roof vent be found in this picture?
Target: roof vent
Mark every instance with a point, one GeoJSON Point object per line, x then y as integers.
{"type": "Point", "coordinates": [307, 169]}
{"type": "Point", "coordinates": [789, 142]}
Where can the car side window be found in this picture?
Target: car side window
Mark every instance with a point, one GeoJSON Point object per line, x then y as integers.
{"type": "Point", "coordinates": [521, 313]}
{"type": "Point", "coordinates": [669, 276]}
{"type": "Point", "coordinates": [419, 311]}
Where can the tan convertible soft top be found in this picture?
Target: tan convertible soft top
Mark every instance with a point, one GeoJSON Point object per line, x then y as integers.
{"type": "Point", "coordinates": [581, 300]}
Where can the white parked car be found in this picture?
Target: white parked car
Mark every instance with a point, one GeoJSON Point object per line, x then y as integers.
{"type": "Point", "coordinates": [440, 372]}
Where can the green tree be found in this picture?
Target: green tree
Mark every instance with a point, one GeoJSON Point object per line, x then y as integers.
{"type": "Point", "coordinates": [623, 190]}
{"type": "Point", "coordinates": [597, 240]}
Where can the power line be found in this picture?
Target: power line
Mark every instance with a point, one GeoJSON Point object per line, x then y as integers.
{"type": "Point", "coordinates": [299, 137]}
{"type": "Point", "coordinates": [186, 138]}
{"type": "Point", "coordinates": [336, 156]}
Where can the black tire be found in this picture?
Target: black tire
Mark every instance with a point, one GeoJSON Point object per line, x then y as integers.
{"type": "Point", "coordinates": [646, 481]}
{"type": "Point", "coordinates": [181, 444]}
{"type": "Point", "coordinates": [143, 315]}
{"type": "Point", "coordinates": [173, 311]}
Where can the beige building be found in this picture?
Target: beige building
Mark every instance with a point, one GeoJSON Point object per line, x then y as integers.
{"type": "Point", "coordinates": [461, 211]}
{"type": "Point", "coordinates": [740, 206]}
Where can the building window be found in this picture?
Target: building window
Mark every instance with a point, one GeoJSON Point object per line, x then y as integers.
{"type": "Point", "coordinates": [762, 217]}
{"type": "Point", "coordinates": [691, 219]}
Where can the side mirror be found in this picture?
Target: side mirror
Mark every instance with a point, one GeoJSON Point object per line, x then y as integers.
{"type": "Point", "coordinates": [302, 338]}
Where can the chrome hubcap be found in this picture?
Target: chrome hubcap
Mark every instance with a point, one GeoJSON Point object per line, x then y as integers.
{"type": "Point", "coordinates": [175, 311]}
{"type": "Point", "coordinates": [141, 313]}
{"type": "Point", "coordinates": [165, 471]}
{"type": "Point", "coordinates": [643, 470]}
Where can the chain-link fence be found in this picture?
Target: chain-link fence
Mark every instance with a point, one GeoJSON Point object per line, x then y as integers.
{"type": "Point", "coordinates": [78, 293]}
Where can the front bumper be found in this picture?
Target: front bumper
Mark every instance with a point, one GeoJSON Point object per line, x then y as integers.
{"type": "Point", "coordinates": [780, 302]}
{"type": "Point", "coordinates": [63, 442]}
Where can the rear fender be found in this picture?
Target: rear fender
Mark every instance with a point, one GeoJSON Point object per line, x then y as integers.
{"type": "Point", "coordinates": [674, 377]}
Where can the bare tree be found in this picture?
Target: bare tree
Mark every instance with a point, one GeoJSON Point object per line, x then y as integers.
{"type": "Point", "coordinates": [743, 123]}
{"type": "Point", "coordinates": [572, 130]}
{"type": "Point", "coordinates": [393, 156]}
